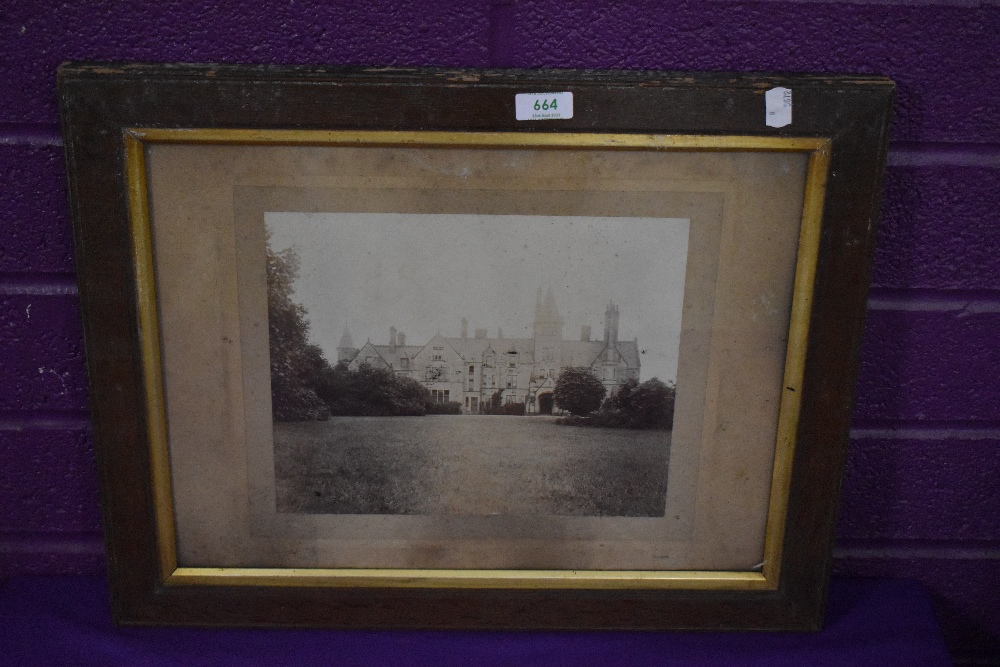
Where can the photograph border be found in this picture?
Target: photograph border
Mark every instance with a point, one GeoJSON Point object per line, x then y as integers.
{"type": "Point", "coordinates": [138, 139]}
{"type": "Point", "coordinates": [788, 591]}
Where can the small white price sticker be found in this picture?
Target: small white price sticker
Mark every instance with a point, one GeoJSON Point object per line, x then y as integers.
{"type": "Point", "coordinates": [778, 107]}
{"type": "Point", "coordinates": [543, 106]}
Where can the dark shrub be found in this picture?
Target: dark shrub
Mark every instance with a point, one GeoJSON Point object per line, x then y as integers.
{"type": "Point", "coordinates": [648, 405]}
{"type": "Point", "coordinates": [449, 408]}
{"type": "Point", "coordinates": [578, 391]}
{"type": "Point", "coordinates": [492, 405]}
{"type": "Point", "coordinates": [634, 405]}
{"type": "Point", "coordinates": [653, 405]}
{"type": "Point", "coordinates": [573, 420]}
{"type": "Point", "coordinates": [371, 391]}
{"type": "Point", "coordinates": [511, 409]}
{"type": "Point", "coordinates": [292, 402]}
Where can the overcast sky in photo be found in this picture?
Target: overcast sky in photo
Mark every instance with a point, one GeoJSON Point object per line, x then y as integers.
{"type": "Point", "coordinates": [423, 273]}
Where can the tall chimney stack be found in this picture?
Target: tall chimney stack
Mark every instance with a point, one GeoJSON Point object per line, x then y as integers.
{"type": "Point", "coordinates": [465, 328]}
{"type": "Point", "coordinates": [585, 333]}
{"type": "Point", "coordinates": [392, 338]}
{"type": "Point", "coordinates": [401, 339]}
{"type": "Point", "coordinates": [607, 324]}
{"type": "Point", "coordinates": [611, 325]}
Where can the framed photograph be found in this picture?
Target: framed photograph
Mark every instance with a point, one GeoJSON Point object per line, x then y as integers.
{"type": "Point", "coordinates": [471, 349]}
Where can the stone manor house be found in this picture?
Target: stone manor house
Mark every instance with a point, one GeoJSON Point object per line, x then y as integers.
{"type": "Point", "coordinates": [471, 370]}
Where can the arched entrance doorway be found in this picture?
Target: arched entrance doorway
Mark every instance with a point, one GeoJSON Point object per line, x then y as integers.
{"type": "Point", "coordinates": [545, 404]}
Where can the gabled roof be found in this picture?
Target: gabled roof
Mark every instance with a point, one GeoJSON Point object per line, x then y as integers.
{"type": "Point", "coordinates": [583, 354]}
{"type": "Point", "coordinates": [405, 350]}
{"type": "Point", "coordinates": [547, 383]}
{"type": "Point", "coordinates": [437, 338]}
{"type": "Point", "coordinates": [369, 350]}
{"type": "Point", "coordinates": [473, 349]}
{"type": "Point", "coordinates": [629, 349]}
{"type": "Point", "coordinates": [393, 356]}
{"type": "Point", "coordinates": [580, 353]}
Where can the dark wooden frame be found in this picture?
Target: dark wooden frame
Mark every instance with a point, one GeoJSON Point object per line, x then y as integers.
{"type": "Point", "coordinates": [98, 101]}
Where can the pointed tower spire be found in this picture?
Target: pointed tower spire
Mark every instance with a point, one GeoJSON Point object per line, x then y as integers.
{"type": "Point", "coordinates": [346, 350]}
{"type": "Point", "coordinates": [550, 304]}
{"type": "Point", "coordinates": [548, 322]}
{"type": "Point", "coordinates": [345, 340]}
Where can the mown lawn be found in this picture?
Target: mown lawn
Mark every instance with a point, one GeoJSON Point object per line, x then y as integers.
{"type": "Point", "coordinates": [468, 465]}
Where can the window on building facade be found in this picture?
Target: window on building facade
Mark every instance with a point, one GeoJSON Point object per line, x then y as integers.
{"type": "Point", "coordinates": [404, 363]}
{"type": "Point", "coordinates": [440, 395]}
{"type": "Point", "coordinates": [472, 370]}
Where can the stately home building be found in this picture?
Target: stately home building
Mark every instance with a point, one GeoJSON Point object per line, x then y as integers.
{"type": "Point", "coordinates": [471, 370]}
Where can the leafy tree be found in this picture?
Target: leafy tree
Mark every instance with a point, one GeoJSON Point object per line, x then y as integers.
{"type": "Point", "coordinates": [653, 405]}
{"type": "Point", "coordinates": [578, 391]}
{"type": "Point", "coordinates": [634, 405]}
{"type": "Point", "coordinates": [371, 391]}
{"type": "Point", "coordinates": [304, 387]}
{"type": "Point", "coordinates": [296, 365]}
{"type": "Point", "coordinates": [620, 401]}
{"type": "Point", "coordinates": [412, 397]}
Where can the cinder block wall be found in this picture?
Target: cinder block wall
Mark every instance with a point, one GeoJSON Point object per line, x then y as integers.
{"type": "Point", "coordinates": [922, 492]}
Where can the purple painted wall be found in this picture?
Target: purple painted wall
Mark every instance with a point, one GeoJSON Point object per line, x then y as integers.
{"type": "Point", "coordinates": [922, 492]}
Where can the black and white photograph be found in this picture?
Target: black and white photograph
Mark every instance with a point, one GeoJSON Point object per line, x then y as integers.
{"type": "Point", "coordinates": [466, 364]}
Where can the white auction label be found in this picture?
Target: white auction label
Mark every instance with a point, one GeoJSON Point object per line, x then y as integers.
{"type": "Point", "coordinates": [543, 106]}
{"type": "Point", "coordinates": [778, 107]}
